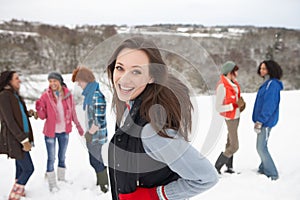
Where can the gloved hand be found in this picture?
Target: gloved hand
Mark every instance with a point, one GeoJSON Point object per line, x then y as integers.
{"type": "Point", "coordinates": [140, 193]}
{"type": "Point", "coordinates": [26, 146]}
{"type": "Point", "coordinates": [257, 127]}
{"type": "Point", "coordinates": [93, 129]}
{"type": "Point", "coordinates": [242, 104]}
{"type": "Point", "coordinates": [32, 113]}
{"type": "Point", "coordinates": [88, 137]}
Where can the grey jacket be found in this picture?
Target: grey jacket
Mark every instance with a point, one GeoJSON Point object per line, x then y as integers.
{"type": "Point", "coordinates": [196, 172]}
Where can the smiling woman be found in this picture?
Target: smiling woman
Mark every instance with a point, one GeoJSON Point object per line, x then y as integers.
{"type": "Point", "coordinates": [16, 137]}
{"type": "Point", "coordinates": [149, 152]}
{"type": "Point", "coordinates": [56, 106]}
{"type": "Point", "coordinates": [131, 74]}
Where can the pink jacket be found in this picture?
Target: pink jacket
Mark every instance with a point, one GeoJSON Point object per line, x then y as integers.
{"type": "Point", "coordinates": [46, 109]}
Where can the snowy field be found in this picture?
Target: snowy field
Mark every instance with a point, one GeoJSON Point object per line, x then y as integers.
{"type": "Point", "coordinates": [284, 146]}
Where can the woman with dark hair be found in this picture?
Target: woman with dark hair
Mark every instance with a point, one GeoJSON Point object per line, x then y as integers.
{"type": "Point", "coordinates": [149, 155]}
{"type": "Point", "coordinates": [229, 104]}
{"type": "Point", "coordinates": [16, 136]}
{"type": "Point", "coordinates": [266, 112]}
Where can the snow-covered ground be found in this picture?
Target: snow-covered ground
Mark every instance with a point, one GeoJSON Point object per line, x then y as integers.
{"type": "Point", "coordinates": [283, 144]}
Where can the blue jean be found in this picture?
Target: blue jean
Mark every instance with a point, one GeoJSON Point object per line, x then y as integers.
{"type": "Point", "coordinates": [95, 156]}
{"type": "Point", "coordinates": [63, 140]}
{"type": "Point", "coordinates": [24, 169]}
{"type": "Point", "coordinates": [267, 165]}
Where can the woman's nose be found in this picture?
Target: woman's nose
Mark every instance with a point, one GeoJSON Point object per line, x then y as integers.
{"type": "Point", "coordinates": [125, 77]}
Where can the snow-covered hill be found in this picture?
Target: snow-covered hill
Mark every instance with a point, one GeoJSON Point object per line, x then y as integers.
{"type": "Point", "coordinates": [38, 48]}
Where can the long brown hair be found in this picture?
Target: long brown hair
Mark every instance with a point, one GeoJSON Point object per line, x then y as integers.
{"type": "Point", "coordinates": [5, 78]}
{"type": "Point", "coordinates": [167, 94]}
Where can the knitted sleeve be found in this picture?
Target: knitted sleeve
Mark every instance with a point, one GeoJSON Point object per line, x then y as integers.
{"type": "Point", "coordinates": [220, 95]}
{"type": "Point", "coordinates": [196, 172]}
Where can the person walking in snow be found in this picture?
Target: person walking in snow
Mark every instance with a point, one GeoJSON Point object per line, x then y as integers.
{"type": "Point", "coordinates": [149, 155]}
{"type": "Point", "coordinates": [266, 113]}
{"type": "Point", "coordinates": [57, 107]}
{"type": "Point", "coordinates": [16, 137]}
{"type": "Point", "coordinates": [229, 104]}
{"type": "Point", "coordinates": [94, 105]}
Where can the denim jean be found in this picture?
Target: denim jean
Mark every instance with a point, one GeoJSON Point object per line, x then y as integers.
{"type": "Point", "coordinates": [24, 169]}
{"type": "Point", "coordinates": [267, 165]}
{"type": "Point", "coordinates": [63, 140]}
{"type": "Point", "coordinates": [95, 156]}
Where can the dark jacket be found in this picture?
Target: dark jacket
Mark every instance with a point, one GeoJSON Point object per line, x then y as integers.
{"type": "Point", "coordinates": [129, 164]}
{"type": "Point", "coordinates": [12, 131]}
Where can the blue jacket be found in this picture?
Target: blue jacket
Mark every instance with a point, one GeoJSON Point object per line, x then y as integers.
{"type": "Point", "coordinates": [266, 106]}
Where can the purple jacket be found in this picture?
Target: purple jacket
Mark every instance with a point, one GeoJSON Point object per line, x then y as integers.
{"type": "Point", "coordinates": [46, 109]}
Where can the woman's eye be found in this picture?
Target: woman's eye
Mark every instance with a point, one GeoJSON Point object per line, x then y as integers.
{"type": "Point", "coordinates": [119, 68]}
{"type": "Point", "coordinates": [136, 72]}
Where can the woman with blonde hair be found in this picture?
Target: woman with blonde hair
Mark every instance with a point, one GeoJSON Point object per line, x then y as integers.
{"type": "Point", "coordinates": [56, 106]}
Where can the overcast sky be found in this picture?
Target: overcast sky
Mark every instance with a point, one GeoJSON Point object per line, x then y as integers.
{"type": "Point", "coordinates": [275, 13]}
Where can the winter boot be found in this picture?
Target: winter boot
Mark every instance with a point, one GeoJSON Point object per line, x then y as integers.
{"type": "Point", "coordinates": [102, 180]}
{"type": "Point", "coordinates": [52, 182]}
{"type": "Point", "coordinates": [220, 162]}
{"type": "Point", "coordinates": [23, 193]}
{"type": "Point", "coordinates": [17, 192]}
{"type": "Point", "coordinates": [229, 165]}
{"type": "Point", "coordinates": [61, 174]}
